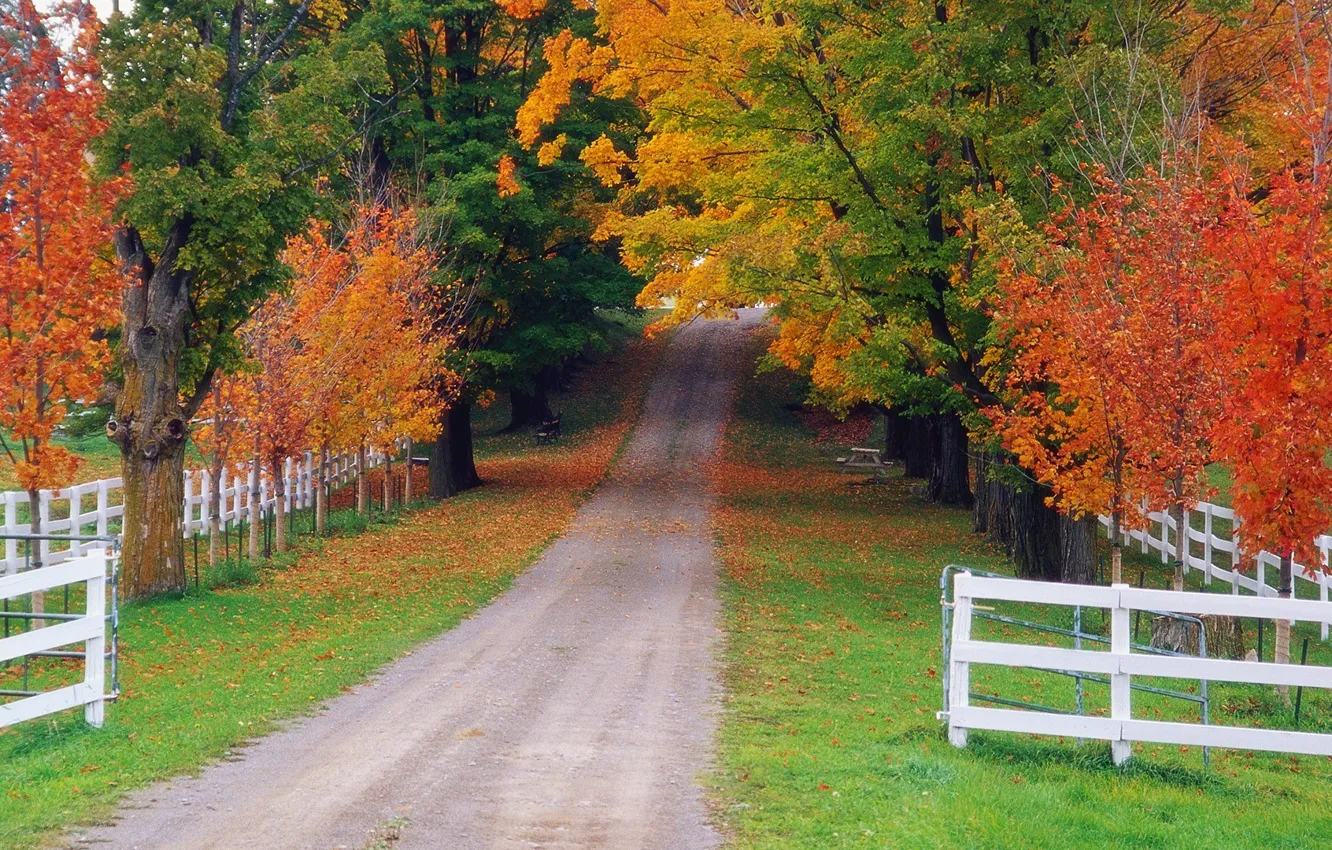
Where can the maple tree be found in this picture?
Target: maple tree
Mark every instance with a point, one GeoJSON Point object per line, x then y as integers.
{"type": "Point", "coordinates": [61, 286]}
{"type": "Point", "coordinates": [1113, 384]}
{"type": "Point", "coordinates": [1275, 435]}
{"type": "Point", "coordinates": [222, 422]}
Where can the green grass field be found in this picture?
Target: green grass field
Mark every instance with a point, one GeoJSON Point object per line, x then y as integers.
{"type": "Point", "coordinates": [829, 737]}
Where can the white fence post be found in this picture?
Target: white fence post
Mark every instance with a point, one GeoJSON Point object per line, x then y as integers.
{"type": "Point", "coordinates": [959, 678]}
{"type": "Point", "coordinates": [1120, 691]}
{"type": "Point", "coordinates": [94, 649]}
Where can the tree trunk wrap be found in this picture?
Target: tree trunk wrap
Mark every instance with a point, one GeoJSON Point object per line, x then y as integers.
{"type": "Point", "coordinates": [407, 472]}
{"type": "Point", "coordinates": [1116, 549]}
{"type": "Point", "coordinates": [37, 597]}
{"type": "Point", "coordinates": [1181, 545]}
{"type": "Point", "coordinates": [362, 482]}
{"type": "Point", "coordinates": [214, 515]}
{"type": "Point", "coordinates": [255, 515]}
{"type": "Point", "coordinates": [280, 506]}
{"type": "Point", "coordinates": [1281, 652]}
{"type": "Point", "coordinates": [388, 482]}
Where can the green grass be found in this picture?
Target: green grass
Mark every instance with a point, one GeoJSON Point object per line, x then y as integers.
{"type": "Point", "coordinates": [209, 670]}
{"type": "Point", "coordinates": [829, 738]}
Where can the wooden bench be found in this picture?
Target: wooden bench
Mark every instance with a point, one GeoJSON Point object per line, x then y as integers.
{"type": "Point", "coordinates": [549, 430]}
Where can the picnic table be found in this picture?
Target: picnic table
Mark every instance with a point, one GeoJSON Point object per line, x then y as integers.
{"type": "Point", "coordinates": [862, 458]}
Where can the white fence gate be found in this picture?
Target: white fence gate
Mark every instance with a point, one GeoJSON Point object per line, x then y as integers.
{"type": "Point", "coordinates": [1120, 665]}
{"type": "Point", "coordinates": [89, 569]}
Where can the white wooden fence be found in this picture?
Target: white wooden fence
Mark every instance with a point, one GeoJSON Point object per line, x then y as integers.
{"type": "Point", "coordinates": [1218, 555]}
{"type": "Point", "coordinates": [89, 508]}
{"type": "Point", "coordinates": [1120, 664]}
{"type": "Point", "coordinates": [90, 569]}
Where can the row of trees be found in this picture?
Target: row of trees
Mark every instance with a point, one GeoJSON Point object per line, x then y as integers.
{"type": "Point", "coordinates": [1076, 247]}
{"type": "Point", "coordinates": [311, 236]}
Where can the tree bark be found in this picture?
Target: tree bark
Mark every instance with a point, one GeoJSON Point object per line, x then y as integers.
{"type": "Point", "coordinates": [280, 504]}
{"type": "Point", "coordinates": [452, 463]}
{"type": "Point", "coordinates": [321, 492]}
{"type": "Point", "coordinates": [388, 481]}
{"type": "Point", "coordinates": [917, 447]}
{"type": "Point", "coordinates": [1077, 549]}
{"type": "Point", "coordinates": [1281, 652]}
{"type": "Point", "coordinates": [407, 472]}
{"type": "Point", "coordinates": [980, 509]}
{"type": "Point", "coordinates": [362, 482]}
{"type": "Point", "coordinates": [949, 466]}
{"type": "Point", "coordinates": [1181, 544]}
{"type": "Point", "coordinates": [894, 435]}
{"type": "Point", "coordinates": [1116, 549]}
{"type": "Point", "coordinates": [38, 597]}
{"type": "Point", "coordinates": [254, 506]}
{"type": "Point", "coordinates": [1036, 550]}
{"type": "Point", "coordinates": [149, 425]}
{"type": "Point", "coordinates": [999, 512]}
{"type": "Point", "coordinates": [214, 515]}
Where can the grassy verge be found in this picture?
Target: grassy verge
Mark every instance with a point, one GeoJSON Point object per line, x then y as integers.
{"type": "Point", "coordinates": [202, 674]}
{"type": "Point", "coordinates": [829, 737]}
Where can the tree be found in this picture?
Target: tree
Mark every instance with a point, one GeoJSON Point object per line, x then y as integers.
{"type": "Point", "coordinates": [60, 287]}
{"type": "Point", "coordinates": [1276, 335]}
{"type": "Point", "coordinates": [222, 421]}
{"type": "Point", "coordinates": [225, 115]}
{"type": "Point", "coordinates": [1114, 385]}
{"type": "Point", "coordinates": [520, 222]}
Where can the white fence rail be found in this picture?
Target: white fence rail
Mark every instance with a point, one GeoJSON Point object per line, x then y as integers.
{"type": "Point", "coordinates": [89, 569]}
{"type": "Point", "coordinates": [89, 508]}
{"type": "Point", "coordinates": [1120, 664]}
{"type": "Point", "coordinates": [1218, 555]}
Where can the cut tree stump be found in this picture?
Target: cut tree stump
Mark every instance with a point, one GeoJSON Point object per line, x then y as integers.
{"type": "Point", "coordinates": [1225, 636]}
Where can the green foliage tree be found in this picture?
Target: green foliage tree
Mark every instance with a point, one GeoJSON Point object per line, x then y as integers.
{"type": "Point", "coordinates": [226, 115]}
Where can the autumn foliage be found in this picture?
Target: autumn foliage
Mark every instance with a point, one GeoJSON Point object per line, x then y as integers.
{"type": "Point", "coordinates": [61, 288]}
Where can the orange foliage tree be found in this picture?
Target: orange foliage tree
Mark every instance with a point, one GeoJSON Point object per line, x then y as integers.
{"type": "Point", "coordinates": [60, 292]}
{"type": "Point", "coordinates": [222, 422]}
{"type": "Point", "coordinates": [1112, 386]}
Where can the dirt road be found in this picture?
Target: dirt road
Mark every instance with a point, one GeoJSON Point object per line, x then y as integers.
{"type": "Point", "coordinates": [576, 711]}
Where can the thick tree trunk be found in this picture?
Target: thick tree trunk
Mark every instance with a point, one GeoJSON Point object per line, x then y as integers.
{"type": "Point", "coordinates": [1281, 653]}
{"type": "Point", "coordinates": [362, 482]}
{"type": "Point", "coordinates": [149, 422]}
{"type": "Point", "coordinates": [1036, 550]}
{"type": "Point", "coordinates": [532, 408]}
{"type": "Point", "coordinates": [452, 465]}
{"type": "Point", "coordinates": [321, 492]}
{"type": "Point", "coordinates": [1077, 549]}
{"type": "Point", "coordinates": [949, 466]}
{"type": "Point", "coordinates": [407, 472]}
{"type": "Point", "coordinates": [999, 512]}
{"type": "Point", "coordinates": [255, 514]}
{"type": "Point", "coordinates": [894, 435]}
{"type": "Point", "coordinates": [918, 447]}
{"type": "Point", "coordinates": [980, 508]}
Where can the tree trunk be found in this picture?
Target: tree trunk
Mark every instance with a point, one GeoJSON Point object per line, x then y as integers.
{"type": "Point", "coordinates": [407, 472]}
{"type": "Point", "coordinates": [35, 523]}
{"type": "Point", "coordinates": [149, 421]}
{"type": "Point", "coordinates": [1181, 544]}
{"type": "Point", "coordinates": [949, 466]}
{"type": "Point", "coordinates": [362, 482]}
{"type": "Point", "coordinates": [321, 492]}
{"type": "Point", "coordinates": [452, 465]}
{"type": "Point", "coordinates": [999, 512]}
{"type": "Point", "coordinates": [894, 435]}
{"type": "Point", "coordinates": [1036, 550]}
{"type": "Point", "coordinates": [917, 447]}
{"type": "Point", "coordinates": [254, 505]}
{"type": "Point", "coordinates": [280, 504]}
{"type": "Point", "coordinates": [1116, 549]}
{"type": "Point", "coordinates": [215, 515]}
{"type": "Point", "coordinates": [1077, 548]}
{"type": "Point", "coordinates": [980, 509]}
{"type": "Point", "coordinates": [531, 408]}
{"type": "Point", "coordinates": [388, 481]}
{"type": "Point", "coordinates": [1281, 653]}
